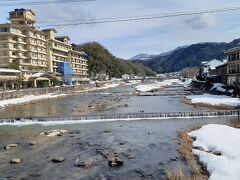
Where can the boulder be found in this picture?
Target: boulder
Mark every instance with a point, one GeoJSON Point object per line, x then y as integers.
{"type": "Point", "coordinates": [32, 143]}
{"type": "Point", "coordinates": [85, 164]}
{"type": "Point", "coordinates": [107, 131]}
{"type": "Point", "coordinates": [54, 132]}
{"type": "Point", "coordinates": [10, 146]}
{"type": "Point", "coordinates": [115, 161]}
{"type": "Point", "coordinates": [131, 156]}
{"type": "Point", "coordinates": [58, 159]}
{"type": "Point", "coordinates": [218, 153]}
{"type": "Point", "coordinates": [15, 161]}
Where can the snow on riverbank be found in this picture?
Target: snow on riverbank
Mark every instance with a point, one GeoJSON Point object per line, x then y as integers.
{"type": "Point", "coordinates": [214, 100]}
{"type": "Point", "coordinates": [221, 138]}
{"type": "Point", "coordinates": [157, 85]}
{"type": "Point", "coordinates": [28, 98]}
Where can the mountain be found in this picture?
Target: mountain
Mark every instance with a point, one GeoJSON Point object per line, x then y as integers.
{"type": "Point", "coordinates": [145, 57]}
{"type": "Point", "coordinates": [188, 56]}
{"type": "Point", "coordinates": [102, 61]}
{"type": "Point", "coordinates": [142, 57]}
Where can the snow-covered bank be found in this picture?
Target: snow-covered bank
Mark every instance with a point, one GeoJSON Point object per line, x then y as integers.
{"type": "Point", "coordinates": [105, 86]}
{"type": "Point", "coordinates": [214, 100]}
{"type": "Point", "coordinates": [157, 85]}
{"type": "Point", "coordinates": [220, 138]}
{"type": "Point", "coordinates": [26, 99]}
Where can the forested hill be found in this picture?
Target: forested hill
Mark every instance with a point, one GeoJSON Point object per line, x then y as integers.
{"type": "Point", "coordinates": [102, 61]}
{"type": "Point", "coordinates": [188, 56]}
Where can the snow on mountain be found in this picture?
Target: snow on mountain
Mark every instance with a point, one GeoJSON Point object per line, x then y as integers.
{"type": "Point", "coordinates": [145, 57]}
{"type": "Point", "coordinates": [142, 57]}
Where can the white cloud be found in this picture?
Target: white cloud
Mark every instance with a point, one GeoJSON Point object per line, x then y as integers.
{"type": "Point", "coordinates": [201, 21]}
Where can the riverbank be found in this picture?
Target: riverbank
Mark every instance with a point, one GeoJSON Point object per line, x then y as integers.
{"type": "Point", "coordinates": [218, 149]}
{"type": "Point", "coordinates": [204, 149]}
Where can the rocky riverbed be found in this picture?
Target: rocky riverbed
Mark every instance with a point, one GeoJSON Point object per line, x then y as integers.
{"type": "Point", "coordinates": [116, 150]}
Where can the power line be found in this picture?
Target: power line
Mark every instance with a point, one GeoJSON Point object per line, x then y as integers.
{"type": "Point", "coordinates": [139, 18]}
{"type": "Point", "coordinates": [43, 2]}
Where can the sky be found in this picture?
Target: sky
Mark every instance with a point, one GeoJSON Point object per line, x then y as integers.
{"type": "Point", "coordinates": [127, 39]}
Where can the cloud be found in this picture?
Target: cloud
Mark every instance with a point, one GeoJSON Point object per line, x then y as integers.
{"type": "Point", "coordinates": [201, 21]}
{"type": "Point", "coordinates": [62, 13]}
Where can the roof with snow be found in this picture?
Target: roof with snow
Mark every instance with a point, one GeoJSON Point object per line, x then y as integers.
{"type": "Point", "coordinates": [214, 63]}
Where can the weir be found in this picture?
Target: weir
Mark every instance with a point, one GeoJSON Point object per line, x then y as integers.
{"type": "Point", "coordinates": [131, 116]}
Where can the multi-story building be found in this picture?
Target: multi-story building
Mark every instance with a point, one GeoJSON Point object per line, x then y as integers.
{"type": "Point", "coordinates": [233, 66]}
{"type": "Point", "coordinates": [79, 65]}
{"type": "Point", "coordinates": [22, 45]}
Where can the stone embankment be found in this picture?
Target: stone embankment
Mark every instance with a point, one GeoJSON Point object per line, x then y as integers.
{"type": "Point", "coordinates": [40, 91]}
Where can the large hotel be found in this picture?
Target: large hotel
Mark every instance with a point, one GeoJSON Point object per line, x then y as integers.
{"type": "Point", "coordinates": [38, 51]}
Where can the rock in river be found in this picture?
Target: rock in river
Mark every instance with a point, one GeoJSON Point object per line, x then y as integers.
{"type": "Point", "coordinates": [58, 159]}
{"type": "Point", "coordinates": [85, 164]}
{"type": "Point", "coordinates": [54, 132]}
{"type": "Point", "coordinates": [15, 161]}
{"type": "Point", "coordinates": [115, 161]}
{"type": "Point", "coordinates": [32, 143]}
{"type": "Point", "coordinates": [10, 146]}
{"type": "Point", "coordinates": [107, 131]}
{"type": "Point", "coordinates": [113, 157]}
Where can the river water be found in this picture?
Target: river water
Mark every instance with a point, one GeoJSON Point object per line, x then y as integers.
{"type": "Point", "coordinates": [151, 153]}
{"type": "Point", "coordinates": [110, 101]}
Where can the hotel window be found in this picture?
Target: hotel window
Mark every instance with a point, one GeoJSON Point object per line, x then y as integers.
{"type": "Point", "coordinates": [5, 45]}
{"type": "Point", "coordinates": [4, 29]}
{"type": "Point", "coordinates": [3, 38]}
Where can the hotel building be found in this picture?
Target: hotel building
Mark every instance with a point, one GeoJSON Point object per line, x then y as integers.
{"type": "Point", "coordinates": [21, 44]}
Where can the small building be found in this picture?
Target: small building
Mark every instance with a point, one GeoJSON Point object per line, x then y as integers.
{"type": "Point", "coordinates": [102, 77]}
{"type": "Point", "coordinates": [9, 78]}
{"type": "Point", "coordinates": [40, 79]}
{"type": "Point", "coordinates": [208, 68]}
{"type": "Point", "coordinates": [125, 77]}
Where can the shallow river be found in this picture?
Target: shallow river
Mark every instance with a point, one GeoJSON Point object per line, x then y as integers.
{"type": "Point", "coordinates": [109, 101]}
{"type": "Point", "coordinates": [145, 155]}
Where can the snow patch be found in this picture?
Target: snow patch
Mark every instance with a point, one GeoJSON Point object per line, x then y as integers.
{"type": "Point", "coordinates": [28, 98]}
{"type": "Point", "coordinates": [215, 100]}
{"type": "Point", "coordinates": [156, 85]}
{"type": "Point", "coordinates": [221, 138]}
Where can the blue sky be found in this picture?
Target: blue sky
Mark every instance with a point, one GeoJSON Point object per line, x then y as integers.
{"type": "Point", "coordinates": [127, 39]}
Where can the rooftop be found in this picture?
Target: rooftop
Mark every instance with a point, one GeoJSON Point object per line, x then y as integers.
{"type": "Point", "coordinates": [233, 49]}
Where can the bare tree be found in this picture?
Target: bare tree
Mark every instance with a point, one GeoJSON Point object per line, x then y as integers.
{"type": "Point", "coordinates": [189, 72]}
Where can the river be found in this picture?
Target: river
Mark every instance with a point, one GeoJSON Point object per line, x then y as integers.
{"type": "Point", "coordinates": [147, 147]}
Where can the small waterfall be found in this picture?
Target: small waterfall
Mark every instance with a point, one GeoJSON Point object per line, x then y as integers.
{"type": "Point", "coordinates": [132, 116]}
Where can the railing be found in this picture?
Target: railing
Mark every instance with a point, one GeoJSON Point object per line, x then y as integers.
{"type": "Point", "coordinates": [132, 116]}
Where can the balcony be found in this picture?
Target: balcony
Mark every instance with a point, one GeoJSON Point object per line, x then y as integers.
{"type": "Point", "coordinates": [17, 32]}
{"type": "Point", "coordinates": [21, 41]}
